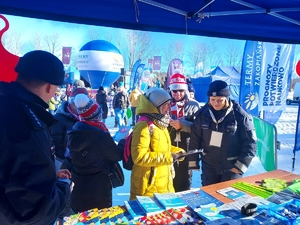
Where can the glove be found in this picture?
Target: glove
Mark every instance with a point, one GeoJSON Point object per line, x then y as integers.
{"type": "Point", "coordinates": [177, 156]}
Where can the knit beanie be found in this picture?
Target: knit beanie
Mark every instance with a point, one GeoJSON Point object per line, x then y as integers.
{"type": "Point", "coordinates": [218, 88]}
{"type": "Point", "coordinates": [157, 96]}
{"type": "Point", "coordinates": [178, 82]}
{"type": "Point", "coordinates": [43, 66]}
{"type": "Point", "coordinates": [76, 91]}
{"type": "Point", "coordinates": [87, 108]}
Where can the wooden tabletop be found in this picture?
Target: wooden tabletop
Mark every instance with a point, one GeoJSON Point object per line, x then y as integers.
{"type": "Point", "coordinates": [255, 179]}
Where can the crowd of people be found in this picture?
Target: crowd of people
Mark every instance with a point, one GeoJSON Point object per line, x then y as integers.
{"type": "Point", "coordinates": [55, 152]}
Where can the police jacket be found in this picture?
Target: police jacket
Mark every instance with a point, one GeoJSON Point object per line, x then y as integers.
{"type": "Point", "coordinates": [238, 142]}
{"type": "Point", "coordinates": [30, 192]}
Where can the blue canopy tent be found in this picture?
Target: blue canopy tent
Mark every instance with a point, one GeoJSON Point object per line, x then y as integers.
{"type": "Point", "coordinates": [269, 20]}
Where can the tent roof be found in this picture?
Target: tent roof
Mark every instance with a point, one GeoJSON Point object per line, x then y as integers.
{"type": "Point", "coordinates": [269, 20]}
{"type": "Point", "coordinates": [226, 73]}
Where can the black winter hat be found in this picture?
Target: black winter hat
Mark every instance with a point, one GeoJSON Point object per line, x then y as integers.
{"type": "Point", "coordinates": [218, 88]}
{"type": "Point", "coordinates": [43, 66]}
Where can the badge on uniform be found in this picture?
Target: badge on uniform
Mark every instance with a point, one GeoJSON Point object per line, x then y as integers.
{"type": "Point", "coordinates": [216, 139]}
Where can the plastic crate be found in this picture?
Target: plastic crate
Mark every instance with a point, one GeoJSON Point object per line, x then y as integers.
{"type": "Point", "coordinates": [288, 212]}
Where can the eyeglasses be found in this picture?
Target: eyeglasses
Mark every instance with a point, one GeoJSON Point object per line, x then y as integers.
{"type": "Point", "coordinates": [175, 91]}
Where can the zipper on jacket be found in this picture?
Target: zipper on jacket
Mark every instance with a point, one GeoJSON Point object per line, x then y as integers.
{"type": "Point", "coordinates": [151, 175]}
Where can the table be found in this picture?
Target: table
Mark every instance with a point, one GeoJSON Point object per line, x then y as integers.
{"type": "Point", "coordinates": [255, 179]}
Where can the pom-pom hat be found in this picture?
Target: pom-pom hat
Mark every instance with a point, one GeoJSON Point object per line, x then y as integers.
{"type": "Point", "coordinates": [87, 108]}
{"type": "Point", "coordinates": [77, 91]}
{"type": "Point", "coordinates": [218, 88]}
{"type": "Point", "coordinates": [178, 82]}
{"type": "Point", "coordinates": [157, 96]}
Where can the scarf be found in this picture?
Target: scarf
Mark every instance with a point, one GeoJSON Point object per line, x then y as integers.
{"type": "Point", "coordinates": [177, 108]}
{"type": "Point", "coordinates": [159, 120]}
{"type": "Point", "coordinates": [96, 123]}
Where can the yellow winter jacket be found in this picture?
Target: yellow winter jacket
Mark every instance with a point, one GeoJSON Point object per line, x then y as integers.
{"type": "Point", "coordinates": [153, 166]}
{"type": "Point", "coordinates": [52, 103]}
{"type": "Point", "coordinates": [134, 97]}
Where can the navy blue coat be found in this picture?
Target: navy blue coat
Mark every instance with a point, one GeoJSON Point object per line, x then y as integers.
{"type": "Point", "coordinates": [30, 192]}
{"type": "Point", "coordinates": [238, 145]}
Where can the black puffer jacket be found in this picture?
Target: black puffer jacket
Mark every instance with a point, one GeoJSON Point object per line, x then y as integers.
{"type": "Point", "coordinates": [101, 99]}
{"type": "Point", "coordinates": [30, 192]}
{"type": "Point", "coordinates": [66, 120]}
{"type": "Point", "coordinates": [238, 145]}
{"type": "Point", "coordinates": [91, 150]}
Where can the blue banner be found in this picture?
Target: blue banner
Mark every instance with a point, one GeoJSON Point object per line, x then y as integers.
{"type": "Point", "coordinates": [297, 135]}
{"type": "Point", "coordinates": [133, 73]}
{"type": "Point", "coordinates": [138, 75]}
{"type": "Point", "coordinates": [250, 77]}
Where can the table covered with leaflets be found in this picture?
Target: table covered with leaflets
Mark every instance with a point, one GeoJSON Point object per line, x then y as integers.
{"type": "Point", "coordinates": [267, 198]}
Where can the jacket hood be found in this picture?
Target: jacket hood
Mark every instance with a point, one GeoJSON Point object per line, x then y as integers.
{"type": "Point", "coordinates": [145, 106]}
{"type": "Point", "coordinates": [62, 109]}
{"type": "Point", "coordinates": [82, 135]}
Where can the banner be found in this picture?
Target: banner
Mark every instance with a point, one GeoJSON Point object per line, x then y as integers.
{"type": "Point", "coordinates": [133, 73]}
{"type": "Point", "coordinates": [156, 62]}
{"type": "Point", "coordinates": [276, 73]}
{"type": "Point", "coordinates": [198, 72]}
{"type": "Point", "coordinates": [138, 75]}
{"type": "Point", "coordinates": [175, 66]}
{"type": "Point", "coordinates": [297, 135]}
{"type": "Point", "coordinates": [150, 64]}
{"type": "Point", "coordinates": [66, 55]}
{"type": "Point", "coordinates": [250, 77]}
{"type": "Point", "coordinates": [266, 143]}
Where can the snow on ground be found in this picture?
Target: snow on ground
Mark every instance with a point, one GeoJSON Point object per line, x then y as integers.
{"type": "Point", "coordinates": [286, 129]}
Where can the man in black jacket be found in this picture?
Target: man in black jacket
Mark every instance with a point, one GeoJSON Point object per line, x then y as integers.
{"type": "Point", "coordinates": [31, 192]}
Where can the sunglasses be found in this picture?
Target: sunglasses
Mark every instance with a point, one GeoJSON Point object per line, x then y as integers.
{"type": "Point", "coordinates": [175, 91]}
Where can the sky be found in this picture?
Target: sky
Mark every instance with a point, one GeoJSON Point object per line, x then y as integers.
{"type": "Point", "coordinates": [75, 35]}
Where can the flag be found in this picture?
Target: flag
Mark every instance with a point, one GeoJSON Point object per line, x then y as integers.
{"type": "Point", "coordinates": [133, 73]}
{"type": "Point", "coordinates": [276, 73]}
{"type": "Point", "coordinates": [175, 66]}
{"type": "Point", "coordinates": [250, 77]}
{"type": "Point", "coordinates": [198, 72]}
{"type": "Point", "coordinates": [138, 75]}
{"type": "Point", "coordinates": [297, 135]}
{"type": "Point", "coordinates": [150, 64]}
{"type": "Point", "coordinates": [66, 55]}
{"type": "Point", "coordinates": [156, 62]}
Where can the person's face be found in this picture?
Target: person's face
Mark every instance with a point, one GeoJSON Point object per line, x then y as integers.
{"type": "Point", "coordinates": [165, 108]}
{"type": "Point", "coordinates": [192, 95]}
{"type": "Point", "coordinates": [178, 94]}
{"type": "Point", "coordinates": [217, 102]}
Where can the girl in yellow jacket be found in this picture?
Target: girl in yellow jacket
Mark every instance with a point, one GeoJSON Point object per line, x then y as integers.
{"type": "Point", "coordinates": [151, 149]}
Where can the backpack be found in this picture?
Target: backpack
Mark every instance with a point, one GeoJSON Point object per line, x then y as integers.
{"type": "Point", "coordinates": [127, 158]}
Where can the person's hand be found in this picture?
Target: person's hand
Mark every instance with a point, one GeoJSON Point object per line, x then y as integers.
{"type": "Point", "coordinates": [175, 156]}
{"type": "Point", "coordinates": [235, 170]}
{"type": "Point", "coordinates": [64, 173]}
{"type": "Point", "coordinates": [176, 124]}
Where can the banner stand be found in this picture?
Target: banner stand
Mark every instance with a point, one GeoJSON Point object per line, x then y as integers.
{"type": "Point", "coordinates": [297, 139]}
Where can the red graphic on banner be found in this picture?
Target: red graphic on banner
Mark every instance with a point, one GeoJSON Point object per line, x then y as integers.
{"type": "Point", "coordinates": [298, 68]}
{"type": "Point", "coordinates": [8, 61]}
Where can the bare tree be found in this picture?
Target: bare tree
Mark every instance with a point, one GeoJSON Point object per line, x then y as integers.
{"type": "Point", "coordinates": [94, 33]}
{"type": "Point", "coordinates": [172, 51]}
{"type": "Point", "coordinates": [139, 45]}
{"type": "Point", "coordinates": [212, 54]}
{"type": "Point", "coordinates": [52, 44]}
{"type": "Point", "coordinates": [12, 42]}
{"type": "Point", "coordinates": [233, 56]}
{"type": "Point", "coordinates": [197, 53]}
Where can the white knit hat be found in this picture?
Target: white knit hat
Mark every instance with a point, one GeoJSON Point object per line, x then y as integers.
{"type": "Point", "coordinates": [87, 108]}
{"type": "Point", "coordinates": [178, 82]}
{"type": "Point", "coordinates": [157, 96]}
